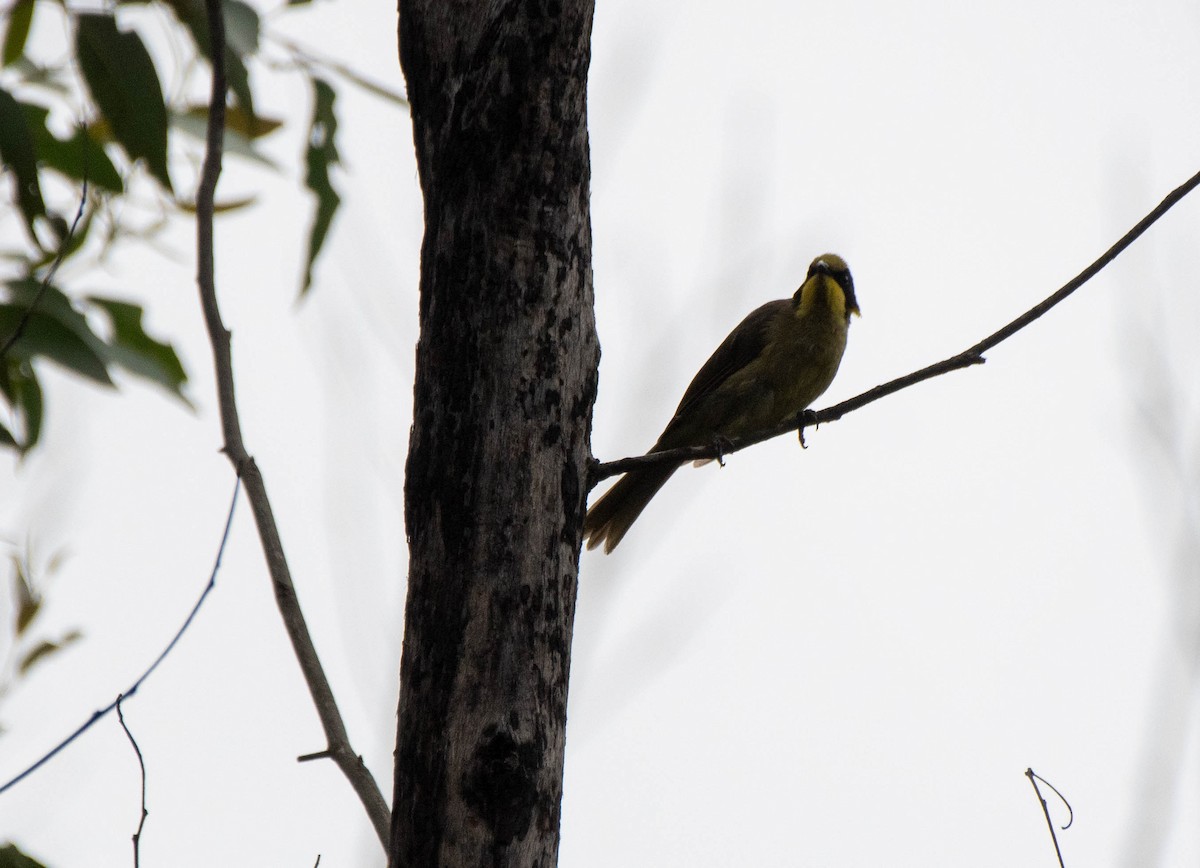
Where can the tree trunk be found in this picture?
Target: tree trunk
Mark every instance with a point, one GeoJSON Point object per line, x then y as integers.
{"type": "Point", "coordinates": [497, 466]}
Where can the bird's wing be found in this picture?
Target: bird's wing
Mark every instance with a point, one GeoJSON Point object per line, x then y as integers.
{"type": "Point", "coordinates": [743, 345]}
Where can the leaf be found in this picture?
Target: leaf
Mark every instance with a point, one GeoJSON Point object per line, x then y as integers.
{"type": "Point", "coordinates": [65, 248]}
{"type": "Point", "coordinates": [236, 120]}
{"type": "Point", "coordinates": [121, 79]}
{"type": "Point", "coordinates": [54, 330]}
{"type": "Point", "coordinates": [18, 154]}
{"type": "Point", "coordinates": [27, 394]}
{"type": "Point", "coordinates": [320, 155]}
{"type": "Point", "coordinates": [44, 336]}
{"type": "Point", "coordinates": [81, 157]}
{"type": "Point", "coordinates": [239, 81]}
{"type": "Point", "coordinates": [20, 16]}
{"type": "Point", "coordinates": [371, 87]}
{"type": "Point", "coordinates": [139, 353]}
{"type": "Point", "coordinates": [45, 649]}
{"type": "Point", "coordinates": [54, 303]}
{"type": "Point", "coordinates": [219, 207]}
{"type": "Point", "coordinates": [11, 857]}
{"type": "Point", "coordinates": [77, 157]}
{"type": "Point", "coordinates": [241, 29]}
{"type": "Point", "coordinates": [28, 603]}
{"type": "Point", "coordinates": [194, 125]}
{"type": "Point", "coordinates": [23, 391]}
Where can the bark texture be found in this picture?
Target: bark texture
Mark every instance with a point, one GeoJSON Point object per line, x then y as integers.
{"type": "Point", "coordinates": [505, 381]}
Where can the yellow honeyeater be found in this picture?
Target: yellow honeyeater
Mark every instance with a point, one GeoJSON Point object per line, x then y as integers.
{"type": "Point", "coordinates": [776, 362]}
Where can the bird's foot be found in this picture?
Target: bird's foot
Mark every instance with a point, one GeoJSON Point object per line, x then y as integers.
{"type": "Point", "coordinates": [720, 443]}
{"type": "Point", "coordinates": [807, 419]}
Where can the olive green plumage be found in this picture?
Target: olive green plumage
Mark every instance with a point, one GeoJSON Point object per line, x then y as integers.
{"type": "Point", "coordinates": [776, 362]}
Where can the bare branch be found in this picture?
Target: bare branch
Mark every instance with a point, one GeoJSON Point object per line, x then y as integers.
{"type": "Point", "coordinates": [1034, 777]}
{"type": "Point", "coordinates": [968, 357]}
{"type": "Point", "coordinates": [339, 749]}
{"type": "Point", "coordinates": [137, 836]}
{"type": "Point", "coordinates": [121, 697]}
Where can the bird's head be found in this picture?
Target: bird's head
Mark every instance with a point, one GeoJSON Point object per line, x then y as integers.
{"type": "Point", "coordinates": [834, 267]}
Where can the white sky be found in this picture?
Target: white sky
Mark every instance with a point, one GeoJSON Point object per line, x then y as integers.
{"type": "Point", "coordinates": [846, 656]}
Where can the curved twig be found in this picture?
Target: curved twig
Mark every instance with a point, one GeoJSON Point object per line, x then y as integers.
{"type": "Point", "coordinates": [339, 748]}
{"type": "Point", "coordinates": [1034, 777]}
{"type": "Point", "coordinates": [971, 356]}
{"type": "Point", "coordinates": [133, 688]}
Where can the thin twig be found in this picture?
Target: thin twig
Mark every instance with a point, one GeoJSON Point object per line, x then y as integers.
{"type": "Point", "coordinates": [967, 358]}
{"type": "Point", "coordinates": [49, 276]}
{"type": "Point", "coordinates": [308, 57]}
{"type": "Point", "coordinates": [137, 836]}
{"type": "Point", "coordinates": [97, 715]}
{"type": "Point", "coordinates": [1034, 777]}
{"type": "Point", "coordinates": [234, 448]}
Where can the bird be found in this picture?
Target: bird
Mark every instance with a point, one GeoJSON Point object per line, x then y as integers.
{"type": "Point", "coordinates": [770, 368]}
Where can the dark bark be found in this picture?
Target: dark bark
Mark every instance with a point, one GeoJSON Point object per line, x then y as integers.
{"type": "Point", "coordinates": [497, 467]}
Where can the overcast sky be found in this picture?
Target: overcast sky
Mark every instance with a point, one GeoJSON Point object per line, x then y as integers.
{"type": "Point", "coordinates": [843, 656]}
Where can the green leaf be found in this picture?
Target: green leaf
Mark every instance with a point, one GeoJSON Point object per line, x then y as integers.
{"type": "Point", "coordinates": [81, 157]}
{"type": "Point", "coordinates": [78, 157]}
{"type": "Point", "coordinates": [121, 79]}
{"type": "Point", "coordinates": [320, 155]}
{"type": "Point", "coordinates": [138, 352]}
{"type": "Point", "coordinates": [236, 120]}
{"type": "Point", "coordinates": [45, 649]}
{"type": "Point", "coordinates": [28, 603]}
{"type": "Point", "coordinates": [241, 29]}
{"type": "Point", "coordinates": [225, 207]}
{"type": "Point", "coordinates": [18, 154]}
{"type": "Point", "coordinates": [20, 386]}
{"type": "Point", "coordinates": [194, 124]}
{"type": "Point", "coordinates": [20, 16]}
{"type": "Point", "coordinates": [239, 82]}
{"type": "Point", "coordinates": [29, 403]}
{"type": "Point", "coordinates": [11, 857]}
{"type": "Point", "coordinates": [54, 330]}
{"type": "Point", "coordinates": [54, 303]}
{"type": "Point", "coordinates": [45, 336]}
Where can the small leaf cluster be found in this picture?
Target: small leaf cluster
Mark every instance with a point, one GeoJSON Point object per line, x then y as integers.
{"type": "Point", "coordinates": [96, 120]}
{"type": "Point", "coordinates": [28, 647]}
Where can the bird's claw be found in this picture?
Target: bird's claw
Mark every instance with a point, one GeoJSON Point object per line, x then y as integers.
{"type": "Point", "coordinates": [807, 418]}
{"type": "Point", "coordinates": [720, 444]}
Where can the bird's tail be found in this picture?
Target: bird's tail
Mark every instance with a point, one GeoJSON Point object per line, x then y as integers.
{"type": "Point", "coordinates": [612, 515]}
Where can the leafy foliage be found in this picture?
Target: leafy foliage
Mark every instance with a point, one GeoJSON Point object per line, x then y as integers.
{"type": "Point", "coordinates": [11, 857]}
{"type": "Point", "coordinates": [125, 145]}
{"type": "Point", "coordinates": [27, 649]}
{"type": "Point", "coordinates": [321, 154]}
{"type": "Point", "coordinates": [121, 78]}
